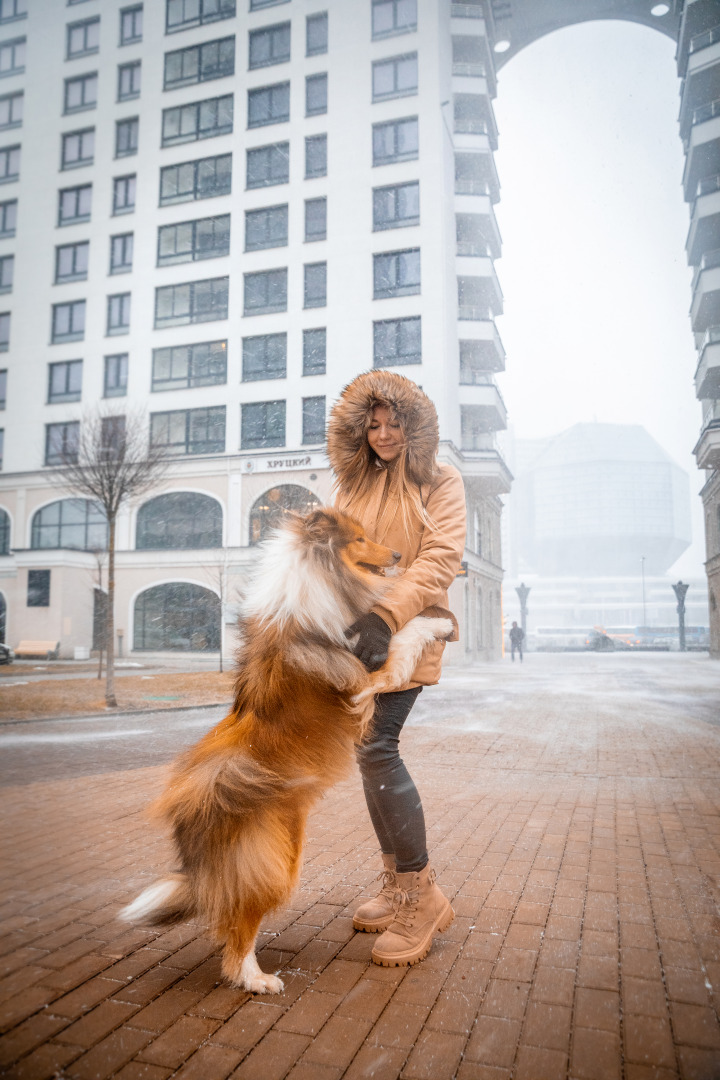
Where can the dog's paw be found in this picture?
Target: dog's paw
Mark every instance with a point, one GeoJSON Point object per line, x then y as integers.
{"type": "Point", "coordinates": [264, 984]}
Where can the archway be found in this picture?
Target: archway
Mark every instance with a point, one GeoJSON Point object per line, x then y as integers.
{"type": "Point", "coordinates": [267, 511]}
{"type": "Point", "coordinates": [179, 520]}
{"type": "Point", "coordinates": [177, 616]}
{"type": "Point", "coordinates": [77, 524]}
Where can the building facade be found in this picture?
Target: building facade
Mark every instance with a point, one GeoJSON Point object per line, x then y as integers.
{"type": "Point", "coordinates": [218, 213]}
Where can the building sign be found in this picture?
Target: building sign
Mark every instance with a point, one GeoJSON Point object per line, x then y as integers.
{"type": "Point", "coordinates": [283, 464]}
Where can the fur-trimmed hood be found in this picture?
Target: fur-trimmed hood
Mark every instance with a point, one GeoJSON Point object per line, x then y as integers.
{"type": "Point", "coordinates": [352, 413]}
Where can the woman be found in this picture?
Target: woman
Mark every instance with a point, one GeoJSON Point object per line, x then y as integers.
{"type": "Point", "coordinates": [382, 445]}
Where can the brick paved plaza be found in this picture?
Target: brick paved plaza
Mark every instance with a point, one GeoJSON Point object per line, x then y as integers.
{"type": "Point", "coordinates": [573, 807]}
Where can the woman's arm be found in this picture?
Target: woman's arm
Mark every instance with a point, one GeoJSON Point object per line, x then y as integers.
{"type": "Point", "coordinates": [429, 576]}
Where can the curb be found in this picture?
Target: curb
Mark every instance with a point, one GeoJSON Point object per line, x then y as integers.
{"type": "Point", "coordinates": [111, 712]}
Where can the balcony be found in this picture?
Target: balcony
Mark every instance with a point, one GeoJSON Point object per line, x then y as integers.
{"type": "Point", "coordinates": [477, 234]}
{"type": "Point", "coordinates": [700, 19]}
{"type": "Point", "coordinates": [705, 307]}
{"type": "Point", "coordinates": [473, 115]}
{"type": "Point", "coordinates": [707, 376]}
{"type": "Point", "coordinates": [475, 174]}
{"type": "Point", "coordinates": [704, 231]}
{"type": "Point", "coordinates": [482, 406]}
{"type": "Point", "coordinates": [481, 350]}
{"type": "Point", "coordinates": [701, 84]}
{"type": "Point", "coordinates": [707, 450]}
{"type": "Point", "coordinates": [702, 149]}
{"type": "Point", "coordinates": [479, 292]}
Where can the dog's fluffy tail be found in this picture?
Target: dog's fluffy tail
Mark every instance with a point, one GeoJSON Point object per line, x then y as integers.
{"type": "Point", "coordinates": [167, 901]}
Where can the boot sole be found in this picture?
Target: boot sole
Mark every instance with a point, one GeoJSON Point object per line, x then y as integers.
{"type": "Point", "coordinates": [416, 957]}
{"type": "Point", "coordinates": [372, 928]}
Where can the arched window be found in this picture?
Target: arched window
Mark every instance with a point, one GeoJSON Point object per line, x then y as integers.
{"type": "Point", "coordinates": [267, 511]}
{"type": "Point", "coordinates": [180, 520]}
{"type": "Point", "coordinates": [179, 617]}
{"type": "Point", "coordinates": [4, 533]}
{"type": "Point", "coordinates": [70, 523]}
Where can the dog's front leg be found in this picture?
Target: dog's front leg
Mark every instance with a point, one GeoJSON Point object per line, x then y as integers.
{"type": "Point", "coordinates": [241, 969]}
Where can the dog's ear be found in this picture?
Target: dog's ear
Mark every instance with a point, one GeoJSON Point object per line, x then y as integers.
{"type": "Point", "coordinates": [318, 526]}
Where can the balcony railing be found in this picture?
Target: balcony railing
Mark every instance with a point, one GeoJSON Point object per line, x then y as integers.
{"type": "Point", "coordinates": [472, 247]}
{"type": "Point", "coordinates": [478, 441]}
{"type": "Point", "coordinates": [462, 68]}
{"type": "Point", "coordinates": [700, 41]}
{"type": "Point", "coordinates": [709, 261]}
{"type": "Point", "coordinates": [471, 377]}
{"type": "Point", "coordinates": [466, 11]}
{"type": "Point", "coordinates": [706, 112]}
{"type": "Point", "coordinates": [707, 185]}
{"type": "Point", "coordinates": [711, 337]}
{"type": "Point", "coordinates": [476, 314]}
{"type": "Point", "coordinates": [474, 187]}
{"type": "Point", "coordinates": [470, 127]}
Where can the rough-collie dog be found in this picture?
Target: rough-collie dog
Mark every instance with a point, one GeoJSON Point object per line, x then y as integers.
{"type": "Point", "coordinates": [237, 802]}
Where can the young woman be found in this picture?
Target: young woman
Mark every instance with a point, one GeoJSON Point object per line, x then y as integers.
{"type": "Point", "coordinates": [382, 444]}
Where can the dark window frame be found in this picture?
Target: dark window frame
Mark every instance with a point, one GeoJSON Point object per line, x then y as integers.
{"type": "Point", "coordinates": [115, 365]}
{"type": "Point", "coordinates": [319, 18]}
{"type": "Point", "coordinates": [319, 79]}
{"type": "Point", "coordinates": [277, 32]}
{"type": "Point", "coordinates": [123, 266]}
{"type": "Point", "coordinates": [73, 306]}
{"type": "Point", "coordinates": [8, 156]}
{"type": "Point", "coordinates": [70, 438]}
{"type": "Point", "coordinates": [84, 80]}
{"type": "Point", "coordinates": [319, 141]}
{"type": "Point", "coordinates": [134, 36]}
{"type": "Point", "coordinates": [312, 365]}
{"type": "Point", "coordinates": [129, 181]}
{"type": "Point", "coordinates": [6, 230]}
{"type": "Point", "coordinates": [207, 416]}
{"type": "Point", "coordinates": [6, 261]}
{"type": "Point", "coordinates": [267, 217]}
{"type": "Point", "coordinates": [75, 274]}
{"type": "Point", "coordinates": [85, 25]}
{"type": "Point", "coordinates": [218, 224]}
{"type": "Point", "coordinates": [196, 168]}
{"type": "Point", "coordinates": [282, 154]}
{"type": "Point", "coordinates": [260, 417]}
{"type": "Point", "coordinates": [3, 389]}
{"type": "Point", "coordinates": [82, 135]}
{"type": "Point", "coordinates": [249, 279]}
{"type": "Point", "coordinates": [313, 235]}
{"type": "Point", "coordinates": [16, 15]}
{"type": "Point", "coordinates": [398, 357]}
{"type": "Point", "coordinates": [224, 9]}
{"type": "Point", "coordinates": [310, 408]}
{"type": "Point", "coordinates": [66, 517]}
{"type": "Point", "coordinates": [264, 356]}
{"type": "Point", "coordinates": [312, 296]}
{"type": "Point", "coordinates": [127, 136]}
{"type": "Point", "coordinates": [395, 262]}
{"type": "Point", "coordinates": [38, 588]}
{"type": "Point", "coordinates": [16, 95]}
{"type": "Point", "coordinates": [133, 67]}
{"type": "Point", "coordinates": [13, 44]}
{"type": "Point", "coordinates": [197, 56]}
{"type": "Point", "coordinates": [396, 154]}
{"type": "Point", "coordinates": [118, 314]}
{"type": "Point", "coordinates": [77, 193]}
{"type": "Point", "coordinates": [219, 104]}
{"type": "Point", "coordinates": [196, 311]}
{"type": "Point", "coordinates": [407, 28]}
{"type": "Point", "coordinates": [179, 521]}
{"type": "Point", "coordinates": [207, 368]}
{"type": "Point", "coordinates": [277, 93]}
{"type": "Point", "coordinates": [5, 320]}
{"type": "Point", "coordinates": [68, 372]}
{"type": "Point", "coordinates": [393, 63]}
{"type": "Point", "coordinates": [398, 221]}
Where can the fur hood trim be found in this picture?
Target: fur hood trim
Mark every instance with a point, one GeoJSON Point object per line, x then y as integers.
{"type": "Point", "coordinates": [352, 413]}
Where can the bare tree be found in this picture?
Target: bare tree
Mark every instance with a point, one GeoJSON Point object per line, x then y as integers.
{"type": "Point", "coordinates": [111, 462]}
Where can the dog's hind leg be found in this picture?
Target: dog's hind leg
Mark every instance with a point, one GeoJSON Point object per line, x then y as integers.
{"type": "Point", "coordinates": [239, 964]}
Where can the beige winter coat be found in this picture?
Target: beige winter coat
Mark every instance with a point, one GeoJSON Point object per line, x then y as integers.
{"type": "Point", "coordinates": [431, 557]}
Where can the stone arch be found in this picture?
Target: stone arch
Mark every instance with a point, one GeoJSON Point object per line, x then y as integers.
{"type": "Point", "coordinates": [180, 521]}
{"type": "Point", "coordinates": [268, 510]}
{"type": "Point", "coordinates": [78, 524]}
{"type": "Point", "coordinates": [177, 616]}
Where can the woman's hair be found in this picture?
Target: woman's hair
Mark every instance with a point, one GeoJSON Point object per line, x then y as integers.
{"type": "Point", "coordinates": [407, 492]}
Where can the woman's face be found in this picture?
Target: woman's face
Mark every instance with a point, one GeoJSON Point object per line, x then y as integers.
{"type": "Point", "coordinates": [385, 434]}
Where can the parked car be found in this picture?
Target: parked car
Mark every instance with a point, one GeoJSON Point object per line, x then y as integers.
{"type": "Point", "coordinates": [6, 654]}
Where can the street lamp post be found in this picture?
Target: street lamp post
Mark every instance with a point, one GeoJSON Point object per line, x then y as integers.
{"type": "Point", "coordinates": [680, 590]}
{"type": "Point", "coordinates": [523, 592]}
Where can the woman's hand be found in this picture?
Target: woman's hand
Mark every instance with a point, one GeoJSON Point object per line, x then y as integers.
{"type": "Point", "coordinates": [373, 641]}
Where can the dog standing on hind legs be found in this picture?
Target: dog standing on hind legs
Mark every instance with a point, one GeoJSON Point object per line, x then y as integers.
{"type": "Point", "coordinates": [238, 801]}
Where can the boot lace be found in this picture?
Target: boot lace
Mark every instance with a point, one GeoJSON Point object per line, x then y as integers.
{"type": "Point", "coordinates": [405, 902]}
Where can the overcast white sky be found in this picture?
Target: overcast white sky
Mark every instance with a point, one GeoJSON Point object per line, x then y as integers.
{"type": "Point", "coordinates": [594, 272]}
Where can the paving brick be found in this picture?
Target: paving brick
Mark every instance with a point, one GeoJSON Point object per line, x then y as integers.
{"type": "Point", "coordinates": [108, 1056]}
{"type": "Point", "coordinates": [45, 1062]}
{"type": "Point", "coordinates": [554, 985]}
{"type": "Point", "coordinates": [98, 1023]}
{"type": "Point", "coordinates": [598, 1009]}
{"type": "Point", "coordinates": [595, 1054]}
{"type": "Point", "coordinates": [643, 996]}
{"type": "Point", "coordinates": [453, 1011]}
{"type": "Point", "coordinates": [141, 1070]}
{"type": "Point", "coordinates": [164, 1010]}
{"type": "Point", "coordinates": [648, 1040]}
{"type": "Point", "coordinates": [697, 1064]}
{"type": "Point", "coordinates": [375, 1063]}
{"type": "Point", "coordinates": [210, 1062]}
{"type": "Point", "coordinates": [149, 986]}
{"type": "Point", "coordinates": [248, 1025]}
{"type": "Point", "coordinates": [686, 985]}
{"type": "Point", "coordinates": [506, 998]}
{"type": "Point", "coordinates": [399, 1024]}
{"type": "Point", "coordinates": [339, 1041]}
{"type": "Point", "coordinates": [29, 1034]}
{"type": "Point", "coordinates": [493, 1041]}
{"type": "Point", "coordinates": [178, 1042]}
{"type": "Point", "coordinates": [695, 1025]}
{"type": "Point", "coordinates": [367, 999]}
{"type": "Point", "coordinates": [309, 1013]}
{"type": "Point", "coordinates": [547, 1026]}
{"type": "Point", "coordinates": [435, 1056]}
{"type": "Point", "coordinates": [538, 1063]}
{"type": "Point", "coordinates": [310, 1070]}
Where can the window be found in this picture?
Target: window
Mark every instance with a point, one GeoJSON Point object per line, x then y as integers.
{"type": "Point", "coordinates": [8, 218]}
{"type": "Point", "coordinates": [71, 262]}
{"type": "Point", "coordinates": [396, 140]}
{"type": "Point", "coordinates": [189, 431]}
{"type": "Point", "coordinates": [314, 351]}
{"type": "Point", "coordinates": [11, 110]}
{"type": "Point", "coordinates": [315, 219]}
{"type": "Point", "coordinates": [12, 57]}
{"type": "Point", "coordinates": [116, 375]}
{"type": "Point", "coordinates": [396, 273]}
{"type": "Point", "coordinates": [315, 156]}
{"type": "Point", "coordinates": [180, 521]}
{"type": "Point", "coordinates": [268, 165]}
{"type": "Point", "coordinates": [69, 523]}
{"type": "Point", "coordinates": [255, 5]}
{"type": "Point", "coordinates": [73, 206]}
{"type": "Point", "coordinates": [177, 616]}
{"type": "Point", "coordinates": [192, 302]}
{"type": "Point", "coordinates": [200, 63]}
{"type": "Point", "coordinates": [112, 437]}
{"type": "Point", "coordinates": [4, 331]}
{"type": "Point", "coordinates": [469, 114]}
{"type": "Point", "coordinates": [129, 81]}
{"type": "Point", "coordinates": [7, 268]}
{"type": "Point", "coordinates": [264, 357]}
{"type": "Point", "coordinates": [3, 389]}
{"type": "Point", "coordinates": [124, 194]}
{"type": "Point", "coordinates": [12, 9]}
{"type": "Point", "coordinates": [68, 321]}
{"type": "Point", "coordinates": [262, 425]}
{"type": "Point", "coordinates": [4, 517]}
{"type": "Point", "coordinates": [189, 241]}
{"type": "Point", "coordinates": [81, 93]}
{"type": "Point", "coordinates": [313, 420]}
{"type": "Point", "coordinates": [131, 25]}
{"type": "Point", "coordinates": [265, 292]}
{"type": "Point", "coordinates": [182, 367]}
{"type": "Point", "coordinates": [199, 120]}
{"type": "Point", "coordinates": [121, 253]}
{"type": "Point", "coordinates": [269, 105]}
{"type": "Point", "coordinates": [395, 77]}
{"type": "Point", "coordinates": [270, 45]}
{"type": "Point", "coordinates": [38, 593]}
{"type": "Point", "coordinates": [393, 17]}
{"type": "Point", "coordinates": [184, 14]}
{"type": "Point", "coordinates": [9, 164]}
{"type": "Point", "coordinates": [316, 94]}
{"type": "Point", "coordinates": [118, 314]}
{"type": "Point", "coordinates": [266, 228]}
{"type": "Point", "coordinates": [83, 38]}
{"type": "Point", "coordinates": [316, 34]}
{"type": "Point", "coordinates": [201, 179]}
{"type": "Point", "coordinates": [315, 291]}
{"type": "Point", "coordinates": [396, 205]}
{"type": "Point", "coordinates": [78, 148]}
{"type": "Point", "coordinates": [396, 341]}
{"type": "Point", "coordinates": [126, 136]}
{"type": "Point", "coordinates": [64, 381]}
{"type": "Point", "coordinates": [269, 509]}
{"type": "Point", "coordinates": [61, 442]}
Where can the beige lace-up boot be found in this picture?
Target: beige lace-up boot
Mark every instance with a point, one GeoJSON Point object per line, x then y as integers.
{"type": "Point", "coordinates": [421, 910]}
{"type": "Point", "coordinates": [377, 914]}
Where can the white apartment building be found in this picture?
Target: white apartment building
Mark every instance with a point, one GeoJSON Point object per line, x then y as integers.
{"type": "Point", "coordinates": [220, 212]}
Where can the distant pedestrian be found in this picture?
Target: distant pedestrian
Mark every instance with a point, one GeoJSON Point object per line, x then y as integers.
{"type": "Point", "coordinates": [517, 636]}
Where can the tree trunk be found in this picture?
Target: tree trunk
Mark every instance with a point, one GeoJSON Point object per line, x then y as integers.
{"type": "Point", "coordinates": [110, 699]}
{"type": "Point", "coordinates": [100, 663]}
